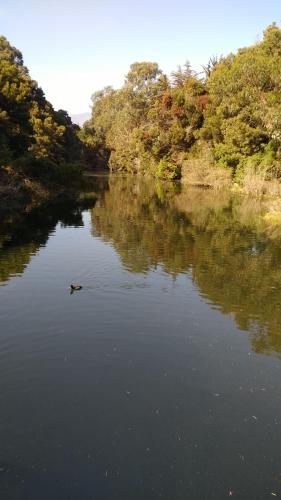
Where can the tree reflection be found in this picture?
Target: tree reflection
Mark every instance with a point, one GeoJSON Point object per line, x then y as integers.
{"type": "Point", "coordinates": [220, 240]}
{"type": "Point", "coordinates": [23, 234]}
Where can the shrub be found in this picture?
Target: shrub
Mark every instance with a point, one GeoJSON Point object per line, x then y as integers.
{"type": "Point", "coordinates": [168, 170]}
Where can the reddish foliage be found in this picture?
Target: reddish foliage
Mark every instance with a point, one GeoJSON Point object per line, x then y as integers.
{"type": "Point", "coordinates": [202, 102]}
{"type": "Point", "coordinates": [167, 100]}
{"type": "Point", "coordinates": [177, 111]}
{"type": "Point", "coordinates": [145, 137]}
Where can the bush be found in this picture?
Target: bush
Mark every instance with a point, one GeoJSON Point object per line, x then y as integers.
{"type": "Point", "coordinates": [168, 170]}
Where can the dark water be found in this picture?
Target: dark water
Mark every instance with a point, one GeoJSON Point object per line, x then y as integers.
{"type": "Point", "coordinates": [161, 378]}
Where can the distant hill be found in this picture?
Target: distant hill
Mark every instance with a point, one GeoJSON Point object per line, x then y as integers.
{"type": "Point", "coordinates": [80, 118]}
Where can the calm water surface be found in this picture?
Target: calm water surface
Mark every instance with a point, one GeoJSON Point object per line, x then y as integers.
{"type": "Point", "coordinates": [161, 378]}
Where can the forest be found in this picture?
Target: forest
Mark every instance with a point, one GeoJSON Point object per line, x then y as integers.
{"type": "Point", "coordinates": [210, 128]}
{"type": "Point", "coordinates": [39, 147]}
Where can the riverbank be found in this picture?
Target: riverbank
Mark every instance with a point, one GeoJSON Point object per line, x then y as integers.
{"type": "Point", "coordinates": [251, 184]}
{"type": "Point", "coordinates": [18, 192]}
{"type": "Point", "coordinates": [260, 198]}
{"type": "Point", "coordinates": [18, 189]}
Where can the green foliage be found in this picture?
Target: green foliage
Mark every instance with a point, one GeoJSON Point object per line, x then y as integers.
{"type": "Point", "coordinates": [243, 118]}
{"type": "Point", "coordinates": [167, 170]}
{"type": "Point", "coordinates": [35, 140]}
{"type": "Point", "coordinates": [152, 123]}
{"type": "Point", "coordinates": [47, 171]}
{"type": "Point", "coordinates": [146, 125]}
{"type": "Point", "coordinates": [142, 76]}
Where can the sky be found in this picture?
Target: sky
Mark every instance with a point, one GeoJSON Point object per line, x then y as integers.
{"type": "Point", "coordinates": [73, 48]}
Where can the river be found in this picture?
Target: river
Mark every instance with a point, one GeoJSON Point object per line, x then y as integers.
{"type": "Point", "coordinates": [161, 377]}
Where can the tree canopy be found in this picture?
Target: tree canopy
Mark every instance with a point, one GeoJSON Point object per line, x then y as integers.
{"type": "Point", "coordinates": [154, 123]}
{"type": "Point", "coordinates": [35, 140]}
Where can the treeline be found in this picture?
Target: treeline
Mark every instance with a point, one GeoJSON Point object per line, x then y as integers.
{"type": "Point", "coordinates": [39, 147]}
{"type": "Point", "coordinates": [228, 116]}
{"type": "Point", "coordinates": [208, 128]}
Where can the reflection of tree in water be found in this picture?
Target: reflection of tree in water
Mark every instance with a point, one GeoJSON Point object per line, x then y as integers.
{"type": "Point", "coordinates": [214, 236]}
{"type": "Point", "coordinates": [22, 234]}
{"type": "Point", "coordinates": [136, 218]}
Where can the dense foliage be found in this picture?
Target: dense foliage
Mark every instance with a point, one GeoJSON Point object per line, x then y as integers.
{"type": "Point", "coordinates": [230, 114]}
{"type": "Point", "coordinates": [243, 119]}
{"type": "Point", "coordinates": [149, 123]}
{"type": "Point", "coordinates": [37, 143]}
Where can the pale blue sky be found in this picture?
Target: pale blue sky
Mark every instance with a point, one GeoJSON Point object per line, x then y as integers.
{"type": "Point", "coordinates": [73, 48]}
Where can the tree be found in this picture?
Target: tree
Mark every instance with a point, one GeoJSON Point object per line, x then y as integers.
{"type": "Point", "coordinates": [142, 75]}
{"type": "Point", "coordinates": [146, 125]}
{"type": "Point", "coordinates": [30, 129]}
{"type": "Point", "coordinates": [153, 124]}
{"type": "Point", "coordinates": [243, 118]}
{"type": "Point", "coordinates": [181, 75]}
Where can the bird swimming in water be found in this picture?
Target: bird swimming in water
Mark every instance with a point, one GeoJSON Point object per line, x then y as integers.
{"type": "Point", "coordinates": [74, 287]}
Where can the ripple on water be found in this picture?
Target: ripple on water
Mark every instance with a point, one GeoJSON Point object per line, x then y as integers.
{"type": "Point", "coordinates": [161, 377]}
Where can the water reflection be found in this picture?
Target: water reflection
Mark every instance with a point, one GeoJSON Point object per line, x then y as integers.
{"type": "Point", "coordinates": [135, 387]}
{"type": "Point", "coordinates": [23, 233]}
{"type": "Point", "coordinates": [220, 239]}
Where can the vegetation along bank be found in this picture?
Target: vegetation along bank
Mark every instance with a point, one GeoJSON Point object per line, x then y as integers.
{"type": "Point", "coordinates": [216, 128]}
{"type": "Point", "coordinates": [40, 150]}
{"type": "Point", "coordinates": [209, 129]}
